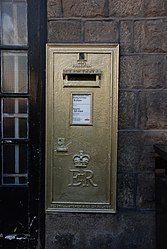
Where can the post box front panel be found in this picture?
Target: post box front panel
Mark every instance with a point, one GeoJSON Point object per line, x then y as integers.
{"type": "Point", "coordinates": [81, 128]}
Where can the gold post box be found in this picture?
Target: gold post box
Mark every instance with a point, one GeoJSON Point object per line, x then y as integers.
{"type": "Point", "coordinates": [81, 127]}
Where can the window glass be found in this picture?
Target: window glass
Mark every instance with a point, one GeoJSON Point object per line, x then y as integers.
{"type": "Point", "coordinates": [23, 158]}
{"type": "Point", "coordinates": [23, 127]}
{"type": "Point", "coordinates": [8, 128]}
{"type": "Point", "coordinates": [14, 166]}
{"type": "Point", "coordinates": [15, 105]}
{"type": "Point", "coordinates": [14, 22]}
{"type": "Point", "coordinates": [8, 162]}
{"type": "Point", "coordinates": [14, 72]}
{"type": "Point", "coordinates": [15, 118]}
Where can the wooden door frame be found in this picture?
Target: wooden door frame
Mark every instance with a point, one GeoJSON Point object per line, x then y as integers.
{"type": "Point", "coordinates": [37, 40]}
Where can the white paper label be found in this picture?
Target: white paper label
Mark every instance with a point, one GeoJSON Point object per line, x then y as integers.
{"type": "Point", "coordinates": [81, 109]}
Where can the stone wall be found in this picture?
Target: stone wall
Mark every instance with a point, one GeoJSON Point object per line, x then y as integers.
{"type": "Point", "coordinates": [140, 27]}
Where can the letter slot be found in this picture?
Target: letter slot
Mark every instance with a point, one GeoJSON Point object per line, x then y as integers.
{"type": "Point", "coordinates": [82, 77]}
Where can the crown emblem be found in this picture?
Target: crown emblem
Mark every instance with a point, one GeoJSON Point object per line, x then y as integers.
{"type": "Point", "coordinates": [81, 159]}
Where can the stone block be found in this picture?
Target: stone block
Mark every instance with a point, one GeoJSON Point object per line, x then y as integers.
{"type": "Point", "coordinates": [86, 8]}
{"type": "Point", "coordinates": [60, 233]}
{"type": "Point", "coordinates": [54, 8]}
{"type": "Point", "coordinates": [153, 71]}
{"type": "Point", "coordinates": [146, 191]}
{"type": "Point", "coordinates": [142, 71]}
{"type": "Point", "coordinates": [130, 72]}
{"type": "Point", "coordinates": [152, 110]}
{"type": "Point", "coordinates": [126, 190]}
{"type": "Point", "coordinates": [150, 36]}
{"type": "Point", "coordinates": [165, 68]}
{"type": "Point", "coordinates": [147, 153]}
{"type": "Point", "coordinates": [64, 31]}
{"type": "Point", "coordinates": [129, 148]}
{"type": "Point", "coordinates": [105, 241]}
{"type": "Point", "coordinates": [139, 230]}
{"type": "Point", "coordinates": [127, 110]}
{"type": "Point", "coordinates": [125, 8]}
{"type": "Point", "coordinates": [134, 8]}
{"type": "Point", "coordinates": [136, 152]}
{"type": "Point", "coordinates": [134, 235]}
{"type": "Point", "coordinates": [101, 231]}
{"type": "Point", "coordinates": [126, 35]}
{"type": "Point", "coordinates": [65, 240]}
{"type": "Point", "coordinates": [147, 156]}
{"type": "Point", "coordinates": [101, 31]}
{"type": "Point", "coordinates": [154, 8]}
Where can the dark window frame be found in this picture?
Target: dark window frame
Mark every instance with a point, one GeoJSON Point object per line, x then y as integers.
{"type": "Point", "coordinates": [3, 95]}
{"type": "Point", "coordinates": [36, 77]}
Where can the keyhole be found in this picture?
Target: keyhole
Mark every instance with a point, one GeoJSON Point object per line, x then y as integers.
{"type": "Point", "coordinates": [81, 56]}
{"type": "Point", "coordinates": [61, 141]}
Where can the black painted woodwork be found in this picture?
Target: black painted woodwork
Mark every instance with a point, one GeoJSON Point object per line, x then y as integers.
{"type": "Point", "coordinates": [22, 207]}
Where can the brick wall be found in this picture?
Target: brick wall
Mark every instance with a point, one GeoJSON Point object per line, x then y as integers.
{"type": "Point", "coordinates": [140, 27]}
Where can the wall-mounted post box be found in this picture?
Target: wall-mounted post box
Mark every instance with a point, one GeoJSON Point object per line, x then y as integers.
{"type": "Point", "coordinates": [81, 127]}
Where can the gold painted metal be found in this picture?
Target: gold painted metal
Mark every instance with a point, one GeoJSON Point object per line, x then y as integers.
{"type": "Point", "coordinates": [61, 146]}
{"type": "Point", "coordinates": [82, 74]}
{"type": "Point", "coordinates": [81, 160]}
